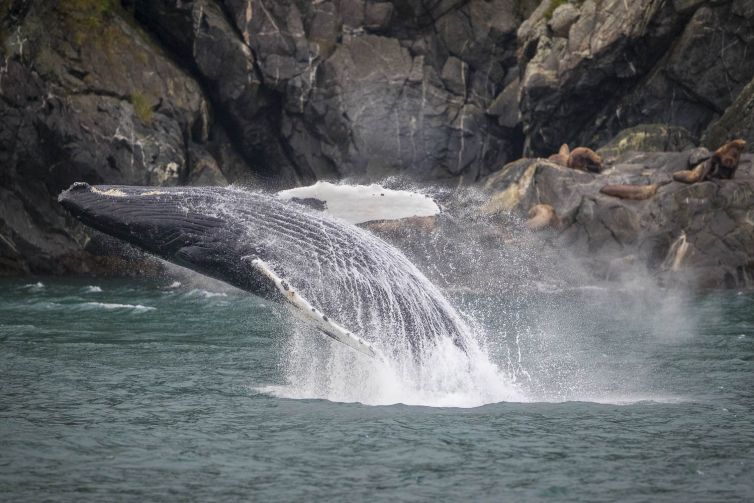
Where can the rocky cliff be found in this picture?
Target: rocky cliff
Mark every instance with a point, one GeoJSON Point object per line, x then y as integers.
{"type": "Point", "coordinates": [285, 92]}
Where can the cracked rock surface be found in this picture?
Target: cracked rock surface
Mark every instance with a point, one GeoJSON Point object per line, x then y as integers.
{"type": "Point", "coordinates": [78, 104]}
{"type": "Point", "coordinates": [279, 93]}
{"type": "Point", "coordinates": [621, 64]}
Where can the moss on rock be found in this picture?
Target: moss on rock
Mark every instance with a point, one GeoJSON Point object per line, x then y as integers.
{"type": "Point", "coordinates": [142, 106]}
{"type": "Point", "coordinates": [649, 138]}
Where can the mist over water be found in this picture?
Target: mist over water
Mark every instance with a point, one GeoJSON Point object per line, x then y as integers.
{"type": "Point", "coordinates": [504, 288]}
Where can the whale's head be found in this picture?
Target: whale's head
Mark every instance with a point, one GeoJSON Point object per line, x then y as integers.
{"type": "Point", "coordinates": [162, 221]}
{"type": "Point", "coordinates": [181, 226]}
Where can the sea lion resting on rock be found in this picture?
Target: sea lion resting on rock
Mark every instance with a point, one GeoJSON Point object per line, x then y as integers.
{"type": "Point", "coordinates": [561, 157]}
{"type": "Point", "coordinates": [581, 158]}
{"type": "Point", "coordinates": [542, 216]}
{"type": "Point", "coordinates": [722, 165]}
{"type": "Point", "coordinates": [633, 192]}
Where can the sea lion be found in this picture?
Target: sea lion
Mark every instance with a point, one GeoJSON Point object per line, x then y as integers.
{"type": "Point", "coordinates": [692, 175]}
{"type": "Point", "coordinates": [722, 165]}
{"type": "Point", "coordinates": [724, 162]}
{"type": "Point", "coordinates": [581, 158]}
{"type": "Point", "coordinates": [585, 159]}
{"type": "Point", "coordinates": [561, 157]}
{"type": "Point", "coordinates": [633, 192]}
{"type": "Point", "coordinates": [541, 217]}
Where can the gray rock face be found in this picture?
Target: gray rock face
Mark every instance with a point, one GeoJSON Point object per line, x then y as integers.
{"type": "Point", "coordinates": [736, 122]}
{"type": "Point", "coordinates": [201, 35]}
{"type": "Point", "coordinates": [621, 64]}
{"type": "Point", "coordinates": [371, 89]}
{"type": "Point", "coordinates": [278, 93]}
{"type": "Point", "coordinates": [77, 105]}
{"type": "Point", "coordinates": [700, 234]}
{"type": "Point", "coordinates": [351, 88]}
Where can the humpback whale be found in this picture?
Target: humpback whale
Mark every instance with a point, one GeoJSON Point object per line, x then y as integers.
{"type": "Point", "coordinates": [348, 283]}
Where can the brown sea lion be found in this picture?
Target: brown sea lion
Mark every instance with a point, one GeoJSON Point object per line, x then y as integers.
{"type": "Point", "coordinates": [724, 162]}
{"type": "Point", "coordinates": [585, 159]}
{"type": "Point", "coordinates": [692, 175]}
{"type": "Point", "coordinates": [541, 217]}
{"type": "Point", "coordinates": [722, 165]}
{"type": "Point", "coordinates": [633, 192]}
{"type": "Point", "coordinates": [561, 157]}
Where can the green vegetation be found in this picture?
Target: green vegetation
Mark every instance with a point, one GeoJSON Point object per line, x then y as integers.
{"type": "Point", "coordinates": [5, 6]}
{"type": "Point", "coordinates": [142, 106]}
{"type": "Point", "coordinates": [85, 17]}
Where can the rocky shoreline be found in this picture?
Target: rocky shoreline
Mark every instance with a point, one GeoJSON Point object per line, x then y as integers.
{"type": "Point", "coordinates": [279, 93]}
{"type": "Point", "coordinates": [701, 233]}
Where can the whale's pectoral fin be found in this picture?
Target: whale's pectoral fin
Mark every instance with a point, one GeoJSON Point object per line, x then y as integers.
{"type": "Point", "coordinates": [359, 204]}
{"type": "Point", "coordinates": [304, 310]}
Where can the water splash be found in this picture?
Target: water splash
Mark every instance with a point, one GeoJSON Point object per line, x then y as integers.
{"type": "Point", "coordinates": [446, 376]}
{"type": "Point", "coordinates": [366, 285]}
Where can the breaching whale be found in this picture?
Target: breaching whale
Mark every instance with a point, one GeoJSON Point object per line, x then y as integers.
{"type": "Point", "coordinates": [348, 283]}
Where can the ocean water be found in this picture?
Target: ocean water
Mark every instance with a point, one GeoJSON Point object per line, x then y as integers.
{"type": "Point", "coordinates": [153, 390]}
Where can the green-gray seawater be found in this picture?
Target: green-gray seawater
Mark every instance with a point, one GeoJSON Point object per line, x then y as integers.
{"type": "Point", "coordinates": [136, 390]}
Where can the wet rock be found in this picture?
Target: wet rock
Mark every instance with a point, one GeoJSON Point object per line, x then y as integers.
{"type": "Point", "coordinates": [505, 106]}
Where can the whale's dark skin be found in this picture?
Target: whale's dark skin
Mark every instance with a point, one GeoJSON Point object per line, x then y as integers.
{"type": "Point", "coordinates": [169, 225]}
{"type": "Point", "coordinates": [365, 284]}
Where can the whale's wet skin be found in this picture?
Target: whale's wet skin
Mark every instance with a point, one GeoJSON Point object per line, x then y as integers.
{"type": "Point", "coordinates": [352, 285]}
{"type": "Point", "coordinates": [152, 390]}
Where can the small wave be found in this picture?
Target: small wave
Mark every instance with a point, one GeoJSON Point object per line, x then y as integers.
{"type": "Point", "coordinates": [35, 286]}
{"type": "Point", "coordinates": [93, 289]}
{"type": "Point", "coordinates": [632, 399]}
{"type": "Point", "coordinates": [206, 293]}
{"type": "Point", "coordinates": [112, 306]}
{"type": "Point", "coordinates": [174, 285]}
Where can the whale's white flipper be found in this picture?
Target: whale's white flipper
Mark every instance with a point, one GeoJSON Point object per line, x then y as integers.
{"type": "Point", "coordinates": [304, 310]}
{"type": "Point", "coordinates": [364, 203]}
